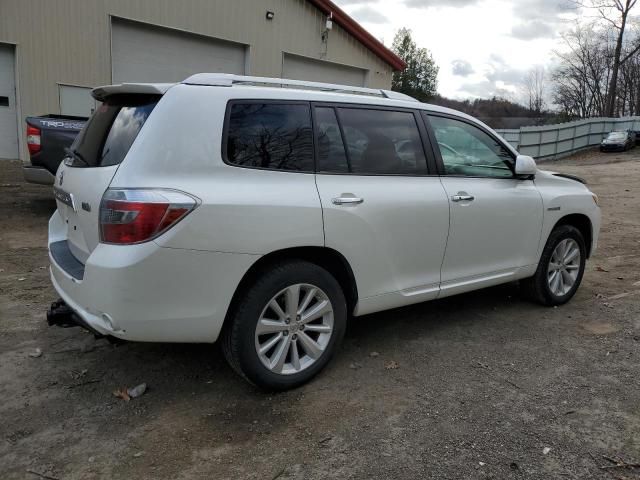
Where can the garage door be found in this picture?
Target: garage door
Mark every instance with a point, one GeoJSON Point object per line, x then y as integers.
{"type": "Point", "coordinates": [8, 117]}
{"type": "Point", "coordinates": [144, 53]}
{"type": "Point", "coordinates": [296, 67]}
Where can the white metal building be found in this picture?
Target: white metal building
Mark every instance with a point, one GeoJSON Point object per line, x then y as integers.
{"type": "Point", "coordinates": [53, 52]}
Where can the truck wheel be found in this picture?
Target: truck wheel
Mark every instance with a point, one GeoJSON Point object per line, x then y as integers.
{"type": "Point", "coordinates": [560, 269]}
{"type": "Point", "coordinates": [287, 326]}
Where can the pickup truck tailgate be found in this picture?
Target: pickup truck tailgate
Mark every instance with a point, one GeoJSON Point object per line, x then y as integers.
{"type": "Point", "coordinates": [56, 133]}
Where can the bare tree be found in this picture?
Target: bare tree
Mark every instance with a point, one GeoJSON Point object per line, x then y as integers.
{"type": "Point", "coordinates": [616, 14]}
{"type": "Point", "coordinates": [580, 82]}
{"type": "Point", "coordinates": [534, 85]}
{"type": "Point", "coordinates": [628, 102]}
{"type": "Point", "coordinates": [583, 79]}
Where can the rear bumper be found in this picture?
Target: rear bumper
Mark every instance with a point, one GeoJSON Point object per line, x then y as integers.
{"type": "Point", "coordinates": [39, 175]}
{"type": "Point", "coordinates": [150, 293]}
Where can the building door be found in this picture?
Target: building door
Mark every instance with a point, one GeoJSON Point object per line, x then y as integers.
{"type": "Point", "coordinates": [8, 108]}
{"type": "Point", "coordinates": [296, 67]}
{"type": "Point", "coordinates": [76, 101]}
{"type": "Point", "coordinates": [147, 53]}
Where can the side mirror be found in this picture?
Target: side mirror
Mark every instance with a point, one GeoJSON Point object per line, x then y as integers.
{"type": "Point", "coordinates": [525, 165]}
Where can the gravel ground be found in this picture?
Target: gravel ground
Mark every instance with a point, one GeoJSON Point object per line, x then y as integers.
{"type": "Point", "coordinates": [480, 386]}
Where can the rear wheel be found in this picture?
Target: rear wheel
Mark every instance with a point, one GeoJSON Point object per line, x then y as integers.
{"type": "Point", "coordinates": [287, 326]}
{"type": "Point", "coordinates": [560, 269]}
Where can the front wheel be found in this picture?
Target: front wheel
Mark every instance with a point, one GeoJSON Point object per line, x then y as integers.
{"type": "Point", "coordinates": [560, 269]}
{"type": "Point", "coordinates": [287, 326]}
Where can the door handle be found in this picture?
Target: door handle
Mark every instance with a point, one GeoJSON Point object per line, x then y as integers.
{"type": "Point", "coordinates": [463, 198]}
{"type": "Point", "coordinates": [347, 200]}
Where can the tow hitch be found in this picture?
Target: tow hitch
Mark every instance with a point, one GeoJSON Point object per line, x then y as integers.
{"type": "Point", "coordinates": [61, 315]}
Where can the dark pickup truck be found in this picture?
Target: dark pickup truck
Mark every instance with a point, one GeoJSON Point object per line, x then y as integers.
{"type": "Point", "coordinates": [47, 138]}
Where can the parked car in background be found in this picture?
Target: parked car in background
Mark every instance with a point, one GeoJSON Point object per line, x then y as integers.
{"type": "Point", "coordinates": [618, 141]}
{"type": "Point", "coordinates": [222, 208]}
{"type": "Point", "coordinates": [47, 138]}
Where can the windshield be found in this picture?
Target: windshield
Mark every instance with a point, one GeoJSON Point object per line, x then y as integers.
{"type": "Point", "coordinates": [111, 130]}
{"type": "Point", "coordinates": [617, 136]}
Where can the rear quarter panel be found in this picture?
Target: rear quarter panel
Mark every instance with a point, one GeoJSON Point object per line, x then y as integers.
{"type": "Point", "coordinates": [241, 210]}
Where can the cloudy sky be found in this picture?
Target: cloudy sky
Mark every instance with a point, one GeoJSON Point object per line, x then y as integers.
{"type": "Point", "coordinates": [483, 47]}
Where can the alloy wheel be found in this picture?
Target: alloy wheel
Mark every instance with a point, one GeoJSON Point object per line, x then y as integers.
{"type": "Point", "coordinates": [294, 329]}
{"type": "Point", "coordinates": [564, 267]}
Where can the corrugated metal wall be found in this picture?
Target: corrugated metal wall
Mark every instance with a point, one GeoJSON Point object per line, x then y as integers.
{"type": "Point", "coordinates": [69, 41]}
{"type": "Point", "coordinates": [552, 142]}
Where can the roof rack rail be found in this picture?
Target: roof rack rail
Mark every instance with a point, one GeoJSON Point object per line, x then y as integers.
{"type": "Point", "coordinates": [228, 80]}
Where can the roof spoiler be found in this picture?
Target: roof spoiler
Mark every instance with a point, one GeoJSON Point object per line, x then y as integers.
{"type": "Point", "coordinates": [101, 93]}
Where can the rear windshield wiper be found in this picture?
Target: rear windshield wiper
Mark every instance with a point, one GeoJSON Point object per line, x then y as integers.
{"type": "Point", "coordinates": [75, 155]}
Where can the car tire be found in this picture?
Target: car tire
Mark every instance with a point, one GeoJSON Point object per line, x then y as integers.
{"type": "Point", "coordinates": [556, 280]}
{"type": "Point", "coordinates": [243, 343]}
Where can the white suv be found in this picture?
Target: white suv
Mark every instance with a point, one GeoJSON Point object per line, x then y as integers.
{"type": "Point", "coordinates": [230, 207]}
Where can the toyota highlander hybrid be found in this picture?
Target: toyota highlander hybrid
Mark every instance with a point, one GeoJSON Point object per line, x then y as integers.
{"type": "Point", "coordinates": [263, 213]}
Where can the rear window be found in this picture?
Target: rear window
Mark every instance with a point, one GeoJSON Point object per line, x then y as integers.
{"type": "Point", "coordinates": [111, 130]}
{"type": "Point", "coordinates": [270, 135]}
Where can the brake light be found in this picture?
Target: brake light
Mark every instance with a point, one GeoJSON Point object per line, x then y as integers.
{"type": "Point", "coordinates": [33, 139]}
{"type": "Point", "coordinates": [130, 216]}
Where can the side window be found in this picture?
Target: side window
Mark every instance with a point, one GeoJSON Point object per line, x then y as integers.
{"type": "Point", "coordinates": [270, 135]}
{"type": "Point", "coordinates": [331, 153]}
{"type": "Point", "coordinates": [469, 151]}
{"type": "Point", "coordinates": [382, 141]}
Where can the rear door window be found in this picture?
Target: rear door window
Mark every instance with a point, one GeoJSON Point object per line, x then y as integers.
{"type": "Point", "coordinates": [111, 130]}
{"type": "Point", "coordinates": [331, 153]}
{"type": "Point", "coordinates": [382, 142]}
{"type": "Point", "coordinates": [270, 135]}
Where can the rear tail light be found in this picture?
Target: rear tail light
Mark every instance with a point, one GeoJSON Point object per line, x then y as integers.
{"type": "Point", "coordinates": [138, 215]}
{"type": "Point", "coordinates": [33, 139]}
